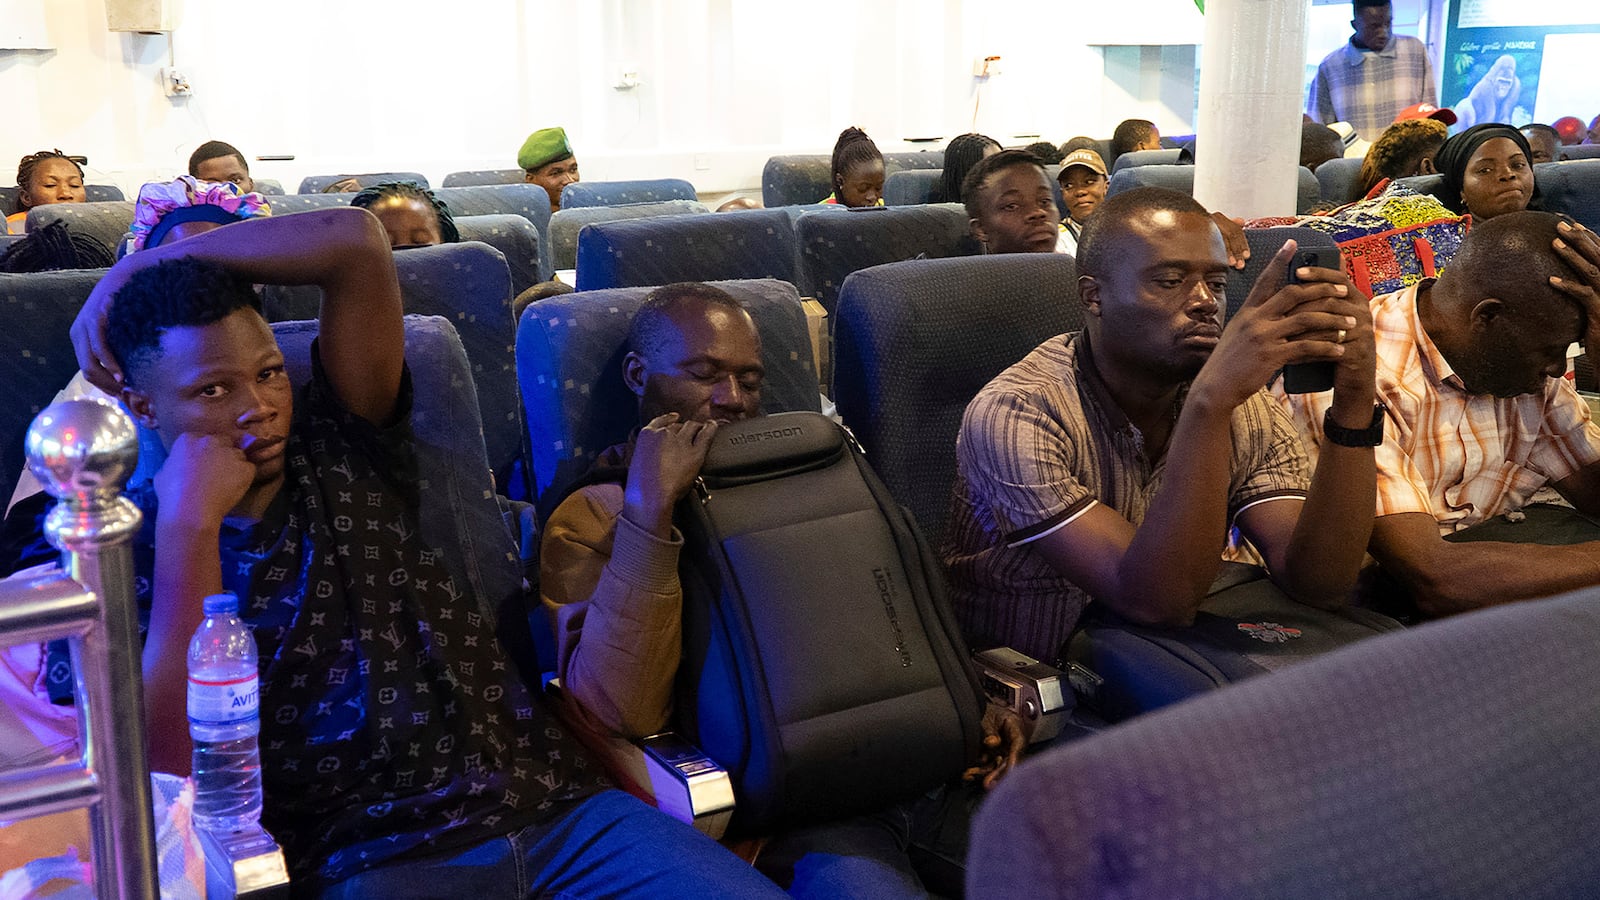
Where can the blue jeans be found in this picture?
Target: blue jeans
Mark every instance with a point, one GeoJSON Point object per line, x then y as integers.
{"type": "Point", "coordinates": [611, 845]}
{"type": "Point", "coordinates": [914, 849]}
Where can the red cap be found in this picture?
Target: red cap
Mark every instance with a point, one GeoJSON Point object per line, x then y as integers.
{"type": "Point", "coordinates": [1427, 111]}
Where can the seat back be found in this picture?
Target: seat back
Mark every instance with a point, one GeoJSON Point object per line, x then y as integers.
{"type": "Point", "coordinates": [1428, 184]}
{"type": "Point", "coordinates": [750, 243]}
{"type": "Point", "coordinates": [619, 193]}
{"type": "Point", "coordinates": [484, 176]}
{"type": "Point", "coordinates": [288, 204]}
{"type": "Point", "coordinates": [515, 238]}
{"type": "Point", "coordinates": [36, 355]}
{"type": "Point", "coordinates": [569, 362]}
{"type": "Point", "coordinates": [1265, 244]}
{"type": "Point", "coordinates": [529, 201]}
{"type": "Point", "coordinates": [804, 178]}
{"type": "Point", "coordinates": [909, 187]}
{"type": "Point", "coordinates": [565, 223]}
{"type": "Point", "coordinates": [268, 186]}
{"type": "Point", "coordinates": [1171, 157]}
{"type": "Point", "coordinates": [832, 245]}
{"type": "Point", "coordinates": [314, 184]}
{"type": "Point", "coordinates": [795, 180]}
{"type": "Point", "coordinates": [1181, 178]}
{"type": "Point", "coordinates": [470, 285]}
{"type": "Point", "coordinates": [1412, 775]}
{"type": "Point", "coordinates": [107, 221]}
{"type": "Point", "coordinates": [915, 341]}
{"type": "Point", "coordinates": [1339, 180]}
{"type": "Point", "coordinates": [1581, 151]}
{"type": "Point", "coordinates": [1571, 188]}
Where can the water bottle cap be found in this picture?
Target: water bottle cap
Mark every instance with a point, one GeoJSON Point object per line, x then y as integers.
{"type": "Point", "coordinates": [221, 604]}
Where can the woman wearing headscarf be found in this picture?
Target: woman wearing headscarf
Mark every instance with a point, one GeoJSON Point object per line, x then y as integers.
{"type": "Point", "coordinates": [1488, 171]}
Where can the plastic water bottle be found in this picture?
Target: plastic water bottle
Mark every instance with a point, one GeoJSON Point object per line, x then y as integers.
{"type": "Point", "coordinates": [224, 719]}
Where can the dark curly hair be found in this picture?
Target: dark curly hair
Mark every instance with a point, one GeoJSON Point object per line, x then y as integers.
{"type": "Point", "coordinates": [410, 190]}
{"type": "Point", "coordinates": [1395, 153]}
{"type": "Point", "coordinates": [215, 150]}
{"type": "Point", "coordinates": [1130, 133]}
{"type": "Point", "coordinates": [30, 162]}
{"type": "Point", "coordinates": [174, 293]}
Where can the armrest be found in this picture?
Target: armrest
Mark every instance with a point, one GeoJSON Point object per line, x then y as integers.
{"type": "Point", "coordinates": [1037, 692]}
{"type": "Point", "coordinates": [245, 864]}
{"type": "Point", "coordinates": [663, 770]}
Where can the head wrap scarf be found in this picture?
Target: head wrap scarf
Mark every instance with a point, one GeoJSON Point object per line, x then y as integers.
{"type": "Point", "coordinates": [186, 198]}
{"type": "Point", "coordinates": [1453, 156]}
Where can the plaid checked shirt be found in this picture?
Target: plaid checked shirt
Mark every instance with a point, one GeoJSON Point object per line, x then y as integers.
{"type": "Point", "coordinates": [1461, 458]}
{"type": "Point", "coordinates": [1369, 89]}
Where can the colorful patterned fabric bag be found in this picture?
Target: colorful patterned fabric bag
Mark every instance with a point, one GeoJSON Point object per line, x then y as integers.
{"type": "Point", "coordinates": [1393, 239]}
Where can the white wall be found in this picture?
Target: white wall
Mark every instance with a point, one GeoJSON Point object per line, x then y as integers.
{"type": "Point", "coordinates": [360, 85]}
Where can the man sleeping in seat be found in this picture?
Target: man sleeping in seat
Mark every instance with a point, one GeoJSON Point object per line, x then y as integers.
{"type": "Point", "coordinates": [609, 575]}
{"type": "Point", "coordinates": [401, 756]}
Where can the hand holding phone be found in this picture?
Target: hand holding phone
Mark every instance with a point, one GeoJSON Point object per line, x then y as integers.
{"type": "Point", "coordinates": [1310, 378]}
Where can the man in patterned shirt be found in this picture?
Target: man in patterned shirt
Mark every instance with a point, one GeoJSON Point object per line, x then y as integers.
{"type": "Point", "coordinates": [401, 754]}
{"type": "Point", "coordinates": [1479, 416]}
{"type": "Point", "coordinates": [1371, 79]}
{"type": "Point", "coordinates": [1110, 464]}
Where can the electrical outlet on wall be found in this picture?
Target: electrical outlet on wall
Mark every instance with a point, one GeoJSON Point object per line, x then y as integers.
{"type": "Point", "coordinates": [175, 82]}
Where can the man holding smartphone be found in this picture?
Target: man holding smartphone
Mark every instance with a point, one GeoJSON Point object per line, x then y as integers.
{"type": "Point", "coordinates": [1111, 465]}
{"type": "Point", "coordinates": [1470, 370]}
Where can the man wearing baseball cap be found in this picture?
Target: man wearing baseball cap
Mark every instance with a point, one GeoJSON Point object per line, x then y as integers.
{"type": "Point", "coordinates": [1083, 185]}
{"type": "Point", "coordinates": [547, 160]}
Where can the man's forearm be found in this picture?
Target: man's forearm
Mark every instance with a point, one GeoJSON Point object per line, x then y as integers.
{"type": "Point", "coordinates": [322, 247]}
{"type": "Point", "coordinates": [188, 569]}
{"type": "Point", "coordinates": [1330, 537]}
{"type": "Point", "coordinates": [1458, 577]}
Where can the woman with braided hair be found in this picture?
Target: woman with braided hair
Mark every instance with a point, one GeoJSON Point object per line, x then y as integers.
{"type": "Point", "coordinates": [960, 155]}
{"type": "Point", "coordinates": [857, 172]}
{"type": "Point", "coordinates": [46, 177]}
{"type": "Point", "coordinates": [411, 214]}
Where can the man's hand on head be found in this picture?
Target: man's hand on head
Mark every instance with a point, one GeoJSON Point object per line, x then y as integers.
{"type": "Point", "coordinates": [667, 456]}
{"type": "Point", "coordinates": [203, 479]}
{"type": "Point", "coordinates": [1579, 248]}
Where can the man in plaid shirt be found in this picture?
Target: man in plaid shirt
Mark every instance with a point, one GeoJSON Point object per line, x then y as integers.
{"type": "Point", "coordinates": [1479, 416]}
{"type": "Point", "coordinates": [1368, 81]}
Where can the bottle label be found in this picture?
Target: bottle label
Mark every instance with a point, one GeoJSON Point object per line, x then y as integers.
{"type": "Point", "coordinates": [223, 702]}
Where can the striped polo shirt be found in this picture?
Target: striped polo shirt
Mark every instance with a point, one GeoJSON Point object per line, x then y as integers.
{"type": "Point", "coordinates": [1042, 444]}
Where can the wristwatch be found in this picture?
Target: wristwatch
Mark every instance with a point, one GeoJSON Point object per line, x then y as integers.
{"type": "Point", "coordinates": [1370, 436]}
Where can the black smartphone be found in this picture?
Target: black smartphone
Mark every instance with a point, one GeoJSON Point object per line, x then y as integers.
{"type": "Point", "coordinates": [1310, 378]}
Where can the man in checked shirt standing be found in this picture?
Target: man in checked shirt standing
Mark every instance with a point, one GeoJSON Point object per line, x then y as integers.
{"type": "Point", "coordinates": [1369, 80]}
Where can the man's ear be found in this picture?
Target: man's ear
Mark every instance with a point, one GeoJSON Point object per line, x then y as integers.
{"type": "Point", "coordinates": [139, 404]}
{"type": "Point", "coordinates": [527, 176]}
{"type": "Point", "coordinates": [1089, 294]}
{"type": "Point", "coordinates": [978, 233]}
{"type": "Point", "coordinates": [1427, 166]}
{"type": "Point", "coordinates": [1485, 314]}
{"type": "Point", "coordinates": [633, 373]}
